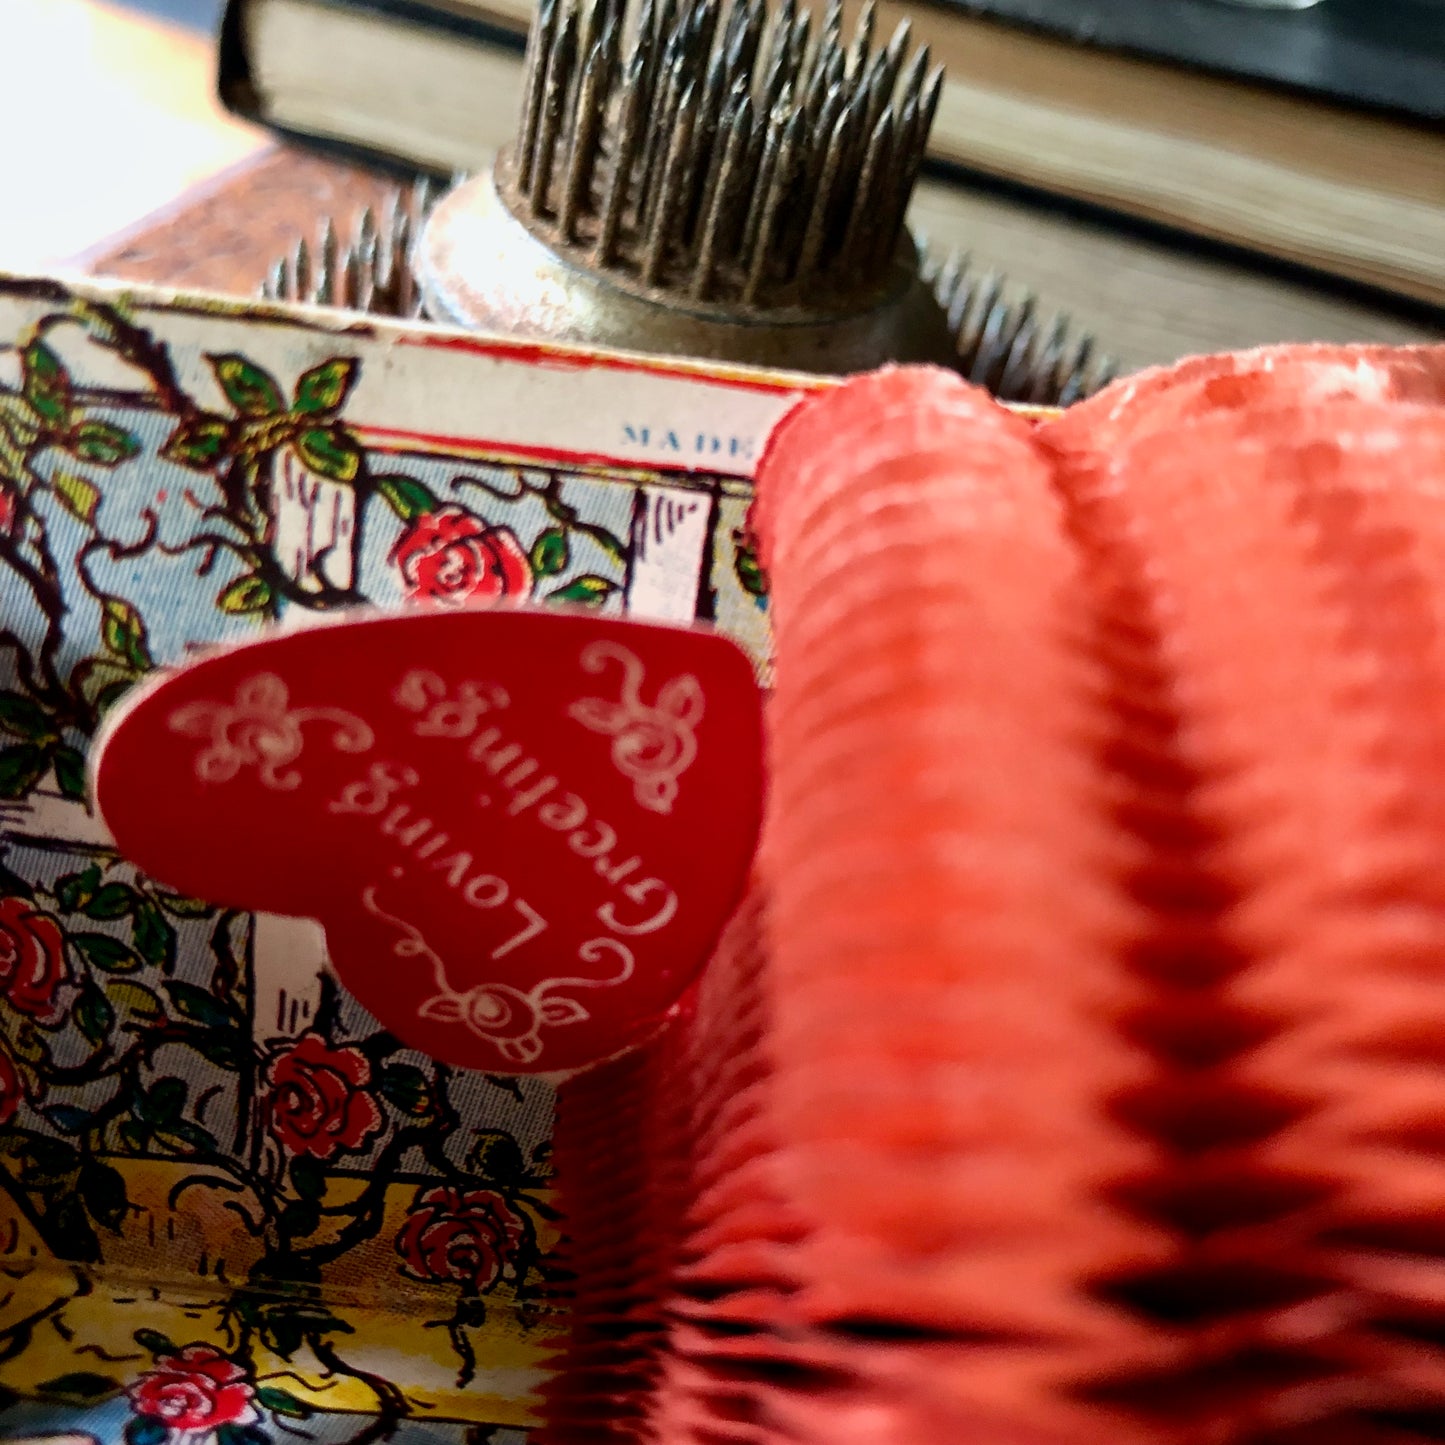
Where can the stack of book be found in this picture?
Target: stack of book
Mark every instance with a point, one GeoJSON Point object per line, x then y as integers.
{"type": "Point", "coordinates": [1311, 137]}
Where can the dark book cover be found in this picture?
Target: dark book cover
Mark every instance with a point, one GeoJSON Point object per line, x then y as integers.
{"type": "Point", "coordinates": [1384, 55]}
{"type": "Point", "coordinates": [1378, 54]}
{"type": "Point", "coordinates": [238, 92]}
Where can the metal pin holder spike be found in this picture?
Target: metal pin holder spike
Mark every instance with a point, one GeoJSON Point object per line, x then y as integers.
{"type": "Point", "coordinates": [371, 270]}
{"type": "Point", "coordinates": [1002, 343]}
{"type": "Point", "coordinates": [707, 179]}
{"type": "Point", "coordinates": [704, 178]}
{"type": "Point", "coordinates": [744, 163]}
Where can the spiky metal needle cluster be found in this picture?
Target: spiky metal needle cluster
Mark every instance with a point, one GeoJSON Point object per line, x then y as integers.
{"type": "Point", "coordinates": [370, 271]}
{"type": "Point", "coordinates": [714, 150]}
{"type": "Point", "coordinates": [1002, 341]}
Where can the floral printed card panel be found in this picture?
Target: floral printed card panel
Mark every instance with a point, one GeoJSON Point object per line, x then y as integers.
{"type": "Point", "coordinates": [187, 1102]}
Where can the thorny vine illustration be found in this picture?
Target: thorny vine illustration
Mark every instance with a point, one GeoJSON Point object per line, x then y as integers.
{"type": "Point", "coordinates": [127, 1016]}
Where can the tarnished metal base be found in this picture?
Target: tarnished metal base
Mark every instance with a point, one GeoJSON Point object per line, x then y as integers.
{"type": "Point", "coordinates": [478, 266]}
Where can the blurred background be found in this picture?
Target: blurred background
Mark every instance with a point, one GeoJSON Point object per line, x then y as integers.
{"type": "Point", "coordinates": [108, 108]}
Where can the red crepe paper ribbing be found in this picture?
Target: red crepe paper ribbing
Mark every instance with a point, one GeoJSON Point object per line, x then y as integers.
{"type": "Point", "coordinates": [1074, 1073]}
{"type": "Point", "coordinates": [933, 851]}
{"type": "Point", "coordinates": [1271, 573]}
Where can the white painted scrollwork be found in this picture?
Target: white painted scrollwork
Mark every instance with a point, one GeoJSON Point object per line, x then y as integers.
{"type": "Point", "coordinates": [509, 1018]}
{"type": "Point", "coordinates": [653, 744]}
{"type": "Point", "coordinates": [260, 729]}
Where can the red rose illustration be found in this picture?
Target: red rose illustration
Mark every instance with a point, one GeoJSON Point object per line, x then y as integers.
{"type": "Point", "coordinates": [316, 1101]}
{"type": "Point", "coordinates": [461, 1236]}
{"type": "Point", "coordinates": [33, 972]}
{"type": "Point", "coordinates": [197, 1388]}
{"type": "Point", "coordinates": [12, 1091]}
{"type": "Point", "coordinates": [452, 557]}
{"type": "Point", "coordinates": [7, 509]}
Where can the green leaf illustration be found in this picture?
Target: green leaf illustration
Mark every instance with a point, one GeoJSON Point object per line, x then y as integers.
{"type": "Point", "coordinates": [94, 1015]}
{"type": "Point", "coordinates": [70, 772]}
{"type": "Point", "coordinates": [328, 451]}
{"type": "Point", "coordinates": [68, 1119]}
{"type": "Point", "coordinates": [198, 443]}
{"type": "Point", "coordinates": [494, 1156]}
{"type": "Point", "coordinates": [155, 1342]}
{"type": "Point", "coordinates": [587, 590]}
{"type": "Point", "coordinates": [249, 389]}
{"type": "Point", "coordinates": [199, 1004]}
{"type": "Point", "coordinates": [241, 1435]}
{"type": "Point", "coordinates": [245, 594]}
{"type": "Point", "coordinates": [745, 565]}
{"type": "Point", "coordinates": [155, 939]}
{"type": "Point", "coordinates": [609, 544]}
{"type": "Point", "coordinates": [282, 1402]}
{"type": "Point", "coordinates": [282, 1334]}
{"type": "Point", "coordinates": [47, 384]}
{"type": "Point", "coordinates": [102, 1191]}
{"type": "Point", "coordinates": [108, 954]}
{"type": "Point", "coordinates": [114, 900]}
{"type": "Point", "coordinates": [136, 999]}
{"type": "Point", "coordinates": [81, 1386]}
{"type": "Point", "coordinates": [24, 718]}
{"type": "Point", "coordinates": [182, 1134]}
{"type": "Point", "coordinates": [124, 634]}
{"type": "Point", "coordinates": [180, 907]}
{"type": "Point", "coordinates": [550, 552]}
{"type": "Point", "coordinates": [79, 497]}
{"type": "Point", "coordinates": [223, 1047]}
{"type": "Point", "coordinates": [74, 890]}
{"type": "Point", "coordinates": [20, 769]}
{"type": "Point", "coordinates": [144, 1430]}
{"type": "Point", "coordinates": [111, 694]}
{"type": "Point", "coordinates": [308, 1178]}
{"type": "Point", "coordinates": [405, 1086]}
{"type": "Point", "coordinates": [102, 442]}
{"type": "Point", "coordinates": [161, 1106]}
{"type": "Point", "coordinates": [300, 1217]}
{"type": "Point", "coordinates": [408, 498]}
{"type": "Point", "coordinates": [324, 388]}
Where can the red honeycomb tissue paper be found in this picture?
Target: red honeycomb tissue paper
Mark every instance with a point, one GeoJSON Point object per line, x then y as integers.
{"type": "Point", "coordinates": [1074, 1073]}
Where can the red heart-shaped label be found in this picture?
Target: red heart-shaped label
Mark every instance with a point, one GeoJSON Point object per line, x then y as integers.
{"type": "Point", "coordinates": [521, 831]}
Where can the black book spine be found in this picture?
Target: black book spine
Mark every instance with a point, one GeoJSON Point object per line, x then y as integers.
{"type": "Point", "coordinates": [237, 89]}
{"type": "Point", "coordinates": [233, 82]}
